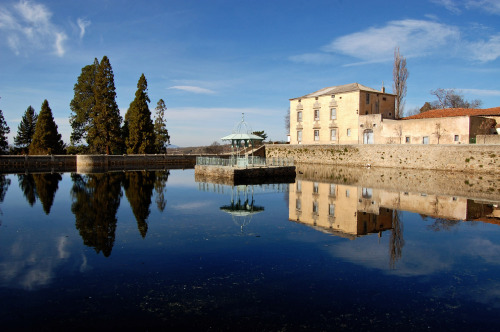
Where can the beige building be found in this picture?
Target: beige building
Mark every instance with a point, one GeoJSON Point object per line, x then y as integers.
{"type": "Point", "coordinates": [448, 126]}
{"type": "Point", "coordinates": [331, 115]}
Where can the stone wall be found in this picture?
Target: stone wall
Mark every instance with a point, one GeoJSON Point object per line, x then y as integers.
{"type": "Point", "coordinates": [488, 139]}
{"type": "Point", "coordinates": [470, 158]}
{"type": "Point", "coordinates": [234, 175]}
{"type": "Point", "coordinates": [49, 163]}
{"type": "Point", "coordinates": [90, 163]}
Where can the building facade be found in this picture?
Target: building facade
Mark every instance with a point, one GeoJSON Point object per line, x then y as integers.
{"type": "Point", "coordinates": [331, 115]}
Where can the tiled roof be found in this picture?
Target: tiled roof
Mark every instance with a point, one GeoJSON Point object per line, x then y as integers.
{"type": "Point", "coordinates": [449, 112]}
{"type": "Point", "coordinates": [340, 89]}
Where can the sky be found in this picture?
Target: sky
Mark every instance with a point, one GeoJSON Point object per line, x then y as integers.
{"type": "Point", "coordinates": [211, 61]}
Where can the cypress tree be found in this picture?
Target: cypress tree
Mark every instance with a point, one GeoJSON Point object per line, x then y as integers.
{"type": "Point", "coordinates": [104, 134]}
{"type": "Point", "coordinates": [46, 139]}
{"type": "Point", "coordinates": [162, 139]}
{"type": "Point", "coordinates": [82, 104]}
{"type": "Point", "coordinates": [140, 126]}
{"type": "Point", "coordinates": [26, 128]}
{"type": "Point", "coordinates": [4, 130]}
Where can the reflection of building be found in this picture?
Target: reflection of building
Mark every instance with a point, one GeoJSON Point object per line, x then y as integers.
{"type": "Point", "coordinates": [352, 211]}
{"type": "Point", "coordinates": [340, 209]}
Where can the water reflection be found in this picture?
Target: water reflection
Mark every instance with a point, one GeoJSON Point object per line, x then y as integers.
{"type": "Point", "coordinates": [242, 206]}
{"type": "Point", "coordinates": [139, 187]}
{"type": "Point", "coordinates": [351, 203]}
{"type": "Point", "coordinates": [4, 185]}
{"type": "Point", "coordinates": [96, 198]}
{"type": "Point", "coordinates": [46, 185]}
{"type": "Point", "coordinates": [27, 185]}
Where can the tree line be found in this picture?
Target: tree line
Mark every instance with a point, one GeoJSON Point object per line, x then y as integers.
{"type": "Point", "coordinates": [97, 126]}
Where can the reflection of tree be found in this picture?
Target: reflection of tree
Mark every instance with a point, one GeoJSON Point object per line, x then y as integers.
{"type": "Point", "coordinates": [46, 185]}
{"type": "Point", "coordinates": [139, 187]}
{"type": "Point", "coordinates": [160, 183]}
{"type": "Point", "coordinates": [27, 185]}
{"type": "Point", "coordinates": [441, 224]}
{"type": "Point", "coordinates": [4, 185]}
{"type": "Point", "coordinates": [397, 242]}
{"type": "Point", "coordinates": [96, 199]}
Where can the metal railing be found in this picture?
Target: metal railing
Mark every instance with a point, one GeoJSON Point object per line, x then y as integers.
{"type": "Point", "coordinates": [250, 161]}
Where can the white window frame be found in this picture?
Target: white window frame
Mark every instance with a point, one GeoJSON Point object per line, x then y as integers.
{"type": "Point", "coordinates": [333, 113]}
{"type": "Point", "coordinates": [331, 210]}
{"type": "Point", "coordinates": [333, 134]}
{"type": "Point", "coordinates": [299, 116]}
{"type": "Point", "coordinates": [299, 135]}
{"type": "Point", "coordinates": [348, 132]}
{"type": "Point", "coordinates": [316, 115]}
{"type": "Point", "coordinates": [456, 138]}
{"type": "Point", "coordinates": [316, 134]}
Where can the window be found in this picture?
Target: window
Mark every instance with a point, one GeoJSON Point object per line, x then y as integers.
{"type": "Point", "coordinates": [333, 134]}
{"type": "Point", "coordinates": [316, 135]}
{"type": "Point", "coordinates": [315, 187]}
{"type": "Point", "coordinates": [425, 140]}
{"type": "Point", "coordinates": [367, 98]}
{"type": "Point", "coordinates": [349, 132]}
{"type": "Point", "coordinates": [333, 113]}
{"type": "Point", "coordinates": [347, 193]}
{"type": "Point", "coordinates": [333, 96]}
{"type": "Point", "coordinates": [299, 116]}
{"type": "Point", "coordinates": [332, 189]}
{"type": "Point", "coordinates": [407, 139]}
{"type": "Point", "coordinates": [316, 115]}
{"type": "Point", "coordinates": [331, 209]}
{"type": "Point", "coordinates": [456, 138]}
{"type": "Point", "coordinates": [298, 204]}
{"type": "Point", "coordinates": [299, 186]}
{"type": "Point", "coordinates": [367, 192]}
{"type": "Point", "coordinates": [299, 136]}
{"type": "Point", "coordinates": [315, 207]}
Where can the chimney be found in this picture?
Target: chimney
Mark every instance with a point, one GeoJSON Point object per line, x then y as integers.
{"type": "Point", "coordinates": [383, 87]}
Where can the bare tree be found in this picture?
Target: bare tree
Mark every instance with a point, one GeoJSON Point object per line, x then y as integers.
{"type": "Point", "coordinates": [399, 132]}
{"type": "Point", "coordinates": [399, 75]}
{"type": "Point", "coordinates": [450, 98]}
{"type": "Point", "coordinates": [439, 131]}
{"type": "Point", "coordinates": [287, 121]}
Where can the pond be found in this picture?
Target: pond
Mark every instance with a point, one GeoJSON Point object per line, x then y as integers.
{"type": "Point", "coordinates": [339, 249]}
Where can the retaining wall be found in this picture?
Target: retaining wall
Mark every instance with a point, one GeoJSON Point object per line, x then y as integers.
{"type": "Point", "coordinates": [488, 139]}
{"type": "Point", "coordinates": [91, 163]}
{"type": "Point", "coordinates": [254, 175]}
{"type": "Point", "coordinates": [469, 158]}
{"type": "Point", "coordinates": [49, 163]}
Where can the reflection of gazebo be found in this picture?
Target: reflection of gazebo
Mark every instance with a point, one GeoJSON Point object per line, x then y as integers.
{"type": "Point", "coordinates": [241, 136]}
{"type": "Point", "coordinates": [241, 209]}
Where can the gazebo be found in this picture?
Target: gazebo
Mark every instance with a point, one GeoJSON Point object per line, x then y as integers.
{"type": "Point", "coordinates": [242, 136]}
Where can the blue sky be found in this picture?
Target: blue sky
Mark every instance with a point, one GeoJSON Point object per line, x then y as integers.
{"type": "Point", "coordinates": [213, 60]}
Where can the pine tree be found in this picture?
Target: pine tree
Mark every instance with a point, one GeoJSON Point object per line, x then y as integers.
{"type": "Point", "coordinates": [26, 128]}
{"type": "Point", "coordinates": [162, 139]}
{"type": "Point", "coordinates": [46, 139]}
{"type": "Point", "coordinates": [138, 118]}
{"type": "Point", "coordinates": [104, 134]}
{"type": "Point", "coordinates": [83, 102]}
{"type": "Point", "coordinates": [4, 130]}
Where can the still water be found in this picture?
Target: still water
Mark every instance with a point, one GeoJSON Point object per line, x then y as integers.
{"type": "Point", "coordinates": [336, 250]}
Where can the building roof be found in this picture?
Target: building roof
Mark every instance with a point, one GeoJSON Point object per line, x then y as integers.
{"type": "Point", "coordinates": [450, 112]}
{"type": "Point", "coordinates": [332, 90]}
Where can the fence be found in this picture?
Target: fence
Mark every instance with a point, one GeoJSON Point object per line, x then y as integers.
{"type": "Point", "coordinates": [251, 161]}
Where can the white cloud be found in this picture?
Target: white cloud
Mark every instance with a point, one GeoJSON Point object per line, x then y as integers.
{"type": "Point", "coordinates": [27, 26]}
{"type": "Point", "coordinates": [414, 37]}
{"type": "Point", "coordinates": [83, 25]}
{"type": "Point", "coordinates": [312, 58]}
{"type": "Point", "coordinates": [485, 51]}
{"type": "Point", "coordinates": [489, 6]}
{"type": "Point", "coordinates": [451, 5]}
{"type": "Point", "coordinates": [481, 92]}
{"type": "Point", "coordinates": [194, 89]}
